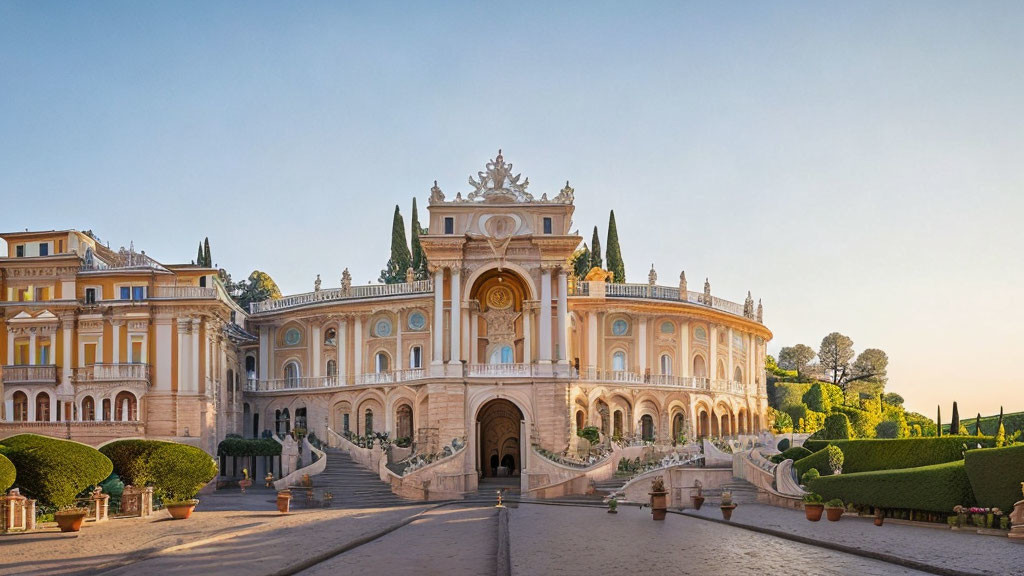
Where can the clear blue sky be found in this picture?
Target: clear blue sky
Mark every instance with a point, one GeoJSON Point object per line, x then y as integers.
{"type": "Point", "coordinates": [856, 165]}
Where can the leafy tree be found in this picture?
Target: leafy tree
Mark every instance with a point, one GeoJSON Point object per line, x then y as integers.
{"type": "Point", "coordinates": [595, 251]}
{"type": "Point", "coordinates": [613, 255]}
{"type": "Point", "coordinates": [920, 420]}
{"type": "Point", "coordinates": [419, 258]}
{"type": "Point", "coordinates": [868, 371]}
{"type": "Point", "coordinates": [401, 259]}
{"type": "Point", "coordinates": [783, 422]}
{"type": "Point", "coordinates": [259, 287]}
{"type": "Point", "coordinates": [835, 354]}
{"type": "Point", "coordinates": [1000, 436]}
{"type": "Point", "coordinates": [207, 260]}
{"type": "Point", "coordinates": [893, 399]}
{"type": "Point", "coordinates": [938, 421]}
{"type": "Point", "coordinates": [887, 429]}
{"type": "Point", "coordinates": [581, 261]}
{"type": "Point", "coordinates": [796, 358]}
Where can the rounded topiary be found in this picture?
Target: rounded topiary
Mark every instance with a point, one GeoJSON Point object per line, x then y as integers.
{"type": "Point", "coordinates": [796, 453]}
{"type": "Point", "coordinates": [7, 473]}
{"type": "Point", "coordinates": [837, 426]}
{"type": "Point", "coordinates": [55, 471]}
{"type": "Point", "coordinates": [783, 445]}
{"type": "Point", "coordinates": [131, 459]}
{"type": "Point", "coordinates": [179, 471]}
{"type": "Point", "coordinates": [809, 475]}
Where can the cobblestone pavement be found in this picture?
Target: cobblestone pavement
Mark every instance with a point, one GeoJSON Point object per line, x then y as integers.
{"type": "Point", "coordinates": [589, 541]}
{"type": "Point", "coordinates": [449, 541]}
{"type": "Point", "coordinates": [940, 547]}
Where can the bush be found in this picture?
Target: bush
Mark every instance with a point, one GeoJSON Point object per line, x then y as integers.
{"type": "Point", "coordinates": [240, 447]}
{"type": "Point", "coordinates": [131, 459]}
{"type": "Point", "coordinates": [936, 488]}
{"type": "Point", "coordinates": [796, 453]}
{"type": "Point", "coordinates": [591, 434]}
{"type": "Point", "coordinates": [817, 399]}
{"type": "Point", "coordinates": [887, 429]}
{"type": "Point", "coordinates": [55, 471]}
{"type": "Point", "coordinates": [834, 503]}
{"type": "Point", "coordinates": [783, 445]}
{"type": "Point", "coordinates": [837, 426]}
{"type": "Point", "coordinates": [995, 475]}
{"type": "Point", "coordinates": [862, 422]}
{"type": "Point", "coordinates": [811, 474]}
{"type": "Point", "coordinates": [822, 461]}
{"type": "Point", "coordinates": [890, 454]}
{"type": "Point", "coordinates": [179, 471]}
{"type": "Point", "coordinates": [7, 473]}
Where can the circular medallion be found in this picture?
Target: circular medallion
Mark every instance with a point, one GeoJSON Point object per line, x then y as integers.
{"type": "Point", "coordinates": [417, 321]}
{"type": "Point", "coordinates": [383, 328]}
{"type": "Point", "coordinates": [619, 327]}
{"type": "Point", "coordinates": [292, 337]}
{"type": "Point", "coordinates": [499, 298]}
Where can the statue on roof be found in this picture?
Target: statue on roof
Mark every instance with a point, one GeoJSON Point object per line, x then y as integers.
{"type": "Point", "coordinates": [496, 183]}
{"type": "Point", "coordinates": [436, 196]}
{"type": "Point", "coordinates": [566, 195]}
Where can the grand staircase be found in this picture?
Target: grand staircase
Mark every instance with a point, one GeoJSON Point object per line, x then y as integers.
{"type": "Point", "coordinates": [351, 485]}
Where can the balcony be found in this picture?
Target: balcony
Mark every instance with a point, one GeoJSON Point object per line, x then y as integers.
{"type": "Point", "coordinates": [670, 293]}
{"type": "Point", "coordinates": [30, 374]}
{"type": "Point", "coordinates": [112, 373]}
{"type": "Point", "coordinates": [501, 370]}
{"type": "Point", "coordinates": [350, 293]}
{"type": "Point", "coordinates": [182, 292]}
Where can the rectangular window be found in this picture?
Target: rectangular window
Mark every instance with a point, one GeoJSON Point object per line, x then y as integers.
{"type": "Point", "coordinates": [90, 354]}
{"type": "Point", "coordinates": [24, 295]}
{"type": "Point", "coordinates": [547, 225]}
{"type": "Point", "coordinates": [417, 357]}
{"type": "Point", "coordinates": [60, 246]}
{"type": "Point", "coordinates": [449, 225]}
{"type": "Point", "coordinates": [344, 423]}
{"type": "Point", "coordinates": [138, 292]}
{"type": "Point", "coordinates": [21, 353]}
{"type": "Point", "coordinates": [126, 292]}
{"type": "Point", "coordinates": [44, 249]}
{"type": "Point", "coordinates": [136, 351]}
{"type": "Point", "coordinates": [90, 295]}
{"type": "Point", "coordinates": [42, 294]}
{"type": "Point", "coordinates": [202, 281]}
{"type": "Point", "coordinates": [44, 355]}
{"type": "Point", "coordinates": [19, 251]}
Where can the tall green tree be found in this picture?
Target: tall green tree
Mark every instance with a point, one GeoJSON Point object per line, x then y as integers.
{"type": "Point", "coordinates": [796, 358]}
{"type": "Point", "coordinates": [595, 251]}
{"type": "Point", "coordinates": [613, 255]}
{"type": "Point", "coordinates": [401, 259]}
{"type": "Point", "coordinates": [419, 259]}
{"type": "Point", "coordinates": [835, 354]}
{"type": "Point", "coordinates": [207, 260]}
{"type": "Point", "coordinates": [199, 255]}
{"type": "Point", "coordinates": [954, 426]}
{"type": "Point", "coordinates": [938, 421]}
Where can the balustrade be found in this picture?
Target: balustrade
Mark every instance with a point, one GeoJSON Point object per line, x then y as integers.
{"type": "Point", "coordinates": [45, 373]}
{"type": "Point", "coordinates": [110, 372]}
{"type": "Point", "coordinates": [655, 292]}
{"type": "Point", "coordinates": [499, 370]}
{"type": "Point", "coordinates": [352, 293]}
{"type": "Point", "coordinates": [169, 291]}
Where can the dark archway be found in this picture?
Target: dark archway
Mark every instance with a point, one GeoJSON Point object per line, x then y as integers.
{"type": "Point", "coordinates": [499, 448]}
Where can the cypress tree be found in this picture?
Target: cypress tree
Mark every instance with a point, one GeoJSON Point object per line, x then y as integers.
{"type": "Point", "coordinates": [954, 426]}
{"type": "Point", "coordinates": [938, 421]}
{"type": "Point", "coordinates": [1000, 423]}
{"type": "Point", "coordinates": [595, 251]}
{"type": "Point", "coordinates": [419, 259]}
{"type": "Point", "coordinates": [612, 255]}
{"type": "Point", "coordinates": [206, 253]}
{"type": "Point", "coordinates": [401, 259]}
{"type": "Point", "coordinates": [199, 255]}
{"type": "Point", "coordinates": [977, 425]}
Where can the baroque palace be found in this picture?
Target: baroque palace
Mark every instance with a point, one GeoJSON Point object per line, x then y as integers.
{"type": "Point", "coordinates": [501, 353]}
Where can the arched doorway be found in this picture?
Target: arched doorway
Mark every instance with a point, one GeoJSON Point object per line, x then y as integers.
{"type": "Point", "coordinates": [496, 323]}
{"type": "Point", "coordinates": [647, 427]}
{"type": "Point", "coordinates": [498, 450]}
{"type": "Point", "coordinates": [678, 426]}
{"type": "Point", "coordinates": [403, 422]}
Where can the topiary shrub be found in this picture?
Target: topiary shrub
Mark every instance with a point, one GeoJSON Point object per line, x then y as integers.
{"type": "Point", "coordinates": [7, 473]}
{"type": "Point", "coordinates": [55, 471]}
{"type": "Point", "coordinates": [783, 445]}
{"type": "Point", "coordinates": [179, 471]}
{"type": "Point", "coordinates": [887, 429]}
{"type": "Point", "coordinates": [837, 426]}
{"type": "Point", "coordinates": [811, 474]}
{"type": "Point", "coordinates": [936, 488]}
{"type": "Point", "coordinates": [240, 447]}
{"type": "Point", "coordinates": [131, 459]}
{"type": "Point", "coordinates": [891, 454]}
{"type": "Point", "coordinates": [795, 453]}
{"type": "Point", "coordinates": [995, 475]}
{"type": "Point", "coordinates": [824, 461]}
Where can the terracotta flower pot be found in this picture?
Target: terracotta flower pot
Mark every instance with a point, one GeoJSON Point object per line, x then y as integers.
{"type": "Point", "coordinates": [284, 500]}
{"type": "Point", "coordinates": [833, 514]}
{"type": "Point", "coordinates": [658, 504]}
{"type": "Point", "coordinates": [879, 518]}
{"type": "Point", "coordinates": [813, 511]}
{"type": "Point", "coordinates": [727, 511]}
{"type": "Point", "coordinates": [181, 510]}
{"type": "Point", "coordinates": [698, 501]}
{"type": "Point", "coordinates": [70, 520]}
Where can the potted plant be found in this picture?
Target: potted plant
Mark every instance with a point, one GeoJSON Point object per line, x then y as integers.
{"type": "Point", "coordinates": [613, 504]}
{"type": "Point", "coordinates": [834, 509]}
{"type": "Point", "coordinates": [698, 495]}
{"type": "Point", "coordinates": [179, 471]}
{"type": "Point", "coordinates": [727, 505]}
{"type": "Point", "coordinates": [284, 499]}
{"type": "Point", "coordinates": [813, 506]}
{"type": "Point", "coordinates": [659, 498]}
{"type": "Point", "coordinates": [879, 516]}
{"type": "Point", "coordinates": [70, 518]}
{"type": "Point", "coordinates": [245, 482]}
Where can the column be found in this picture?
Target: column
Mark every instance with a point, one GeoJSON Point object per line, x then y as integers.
{"type": "Point", "coordinates": [729, 368]}
{"type": "Point", "coordinates": [97, 404]}
{"type": "Point", "coordinates": [194, 359]}
{"type": "Point", "coordinates": [264, 368]}
{"type": "Point", "coordinates": [10, 350]}
{"type": "Point", "coordinates": [342, 351]}
{"type": "Point", "coordinates": [474, 335]}
{"type": "Point", "coordinates": [184, 346]}
{"type": "Point", "coordinates": [437, 349]}
{"type": "Point", "coordinates": [713, 353]}
{"type": "Point", "coordinates": [592, 339]}
{"type": "Point", "coordinates": [315, 360]}
{"type": "Point", "coordinates": [684, 350]}
{"type": "Point", "coordinates": [456, 317]}
{"type": "Point", "coordinates": [32, 348]}
{"type": "Point", "coordinates": [53, 407]}
{"type": "Point", "coordinates": [642, 346]}
{"type": "Point", "coordinates": [400, 361]}
{"type": "Point", "coordinates": [527, 333]}
{"type": "Point", "coordinates": [357, 347]}
{"type": "Point", "coordinates": [563, 311]}
{"type": "Point", "coordinates": [67, 326]}
{"type": "Point", "coordinates": [544, 320]}
{"type": "Point", "coordinates": [116, 333]}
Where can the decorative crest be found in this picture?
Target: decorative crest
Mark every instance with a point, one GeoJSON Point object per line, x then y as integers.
{"type": "Point", "coordinates": [566, 195]}
{"type": "Point", "coordinates": [497, 184]}
{"type": "Point", "coordinates": [707, 292]}
{"type": "Point", "coordinates": [748, 306]}
{"type": "Point", "coordinates": [760, 312]}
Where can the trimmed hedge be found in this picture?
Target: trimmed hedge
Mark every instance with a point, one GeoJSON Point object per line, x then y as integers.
{"type": "Point", "coordinates": [995, 475]}
{"type": "Point", "coordinates": [179, 471]}
{"type": "Point", "coordinates": [818, 461]}
{"type": "Point", "coordinates": [837, 426]}
{"type": "Point", "coordinates": [795, 453]}
{"type": "Point", "coordinates": [240, 447]}
{"type": "Point", "coordinates": [55, 471]}
{"type": "Point", "coordinates": [7, 473]}
{"type": "Point", "coordinates": [936, 488]}
{"type": "Point", "coordinates": [131, 459]}
{"type": "Point", "coordinates": [872, 454]}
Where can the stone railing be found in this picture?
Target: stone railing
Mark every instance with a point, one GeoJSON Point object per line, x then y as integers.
{"type": "Point", "coordinates": [352, 293]}
{"type": "Point", "coordinates": [45, 373]}
{"type": "Point", "coordinates": [692, 382]}
{"type": "Point", "coordinates": [179, 292]}
{"type": "Point", "coordinates": [308, 383]}
{"type": "Point", "coordinates": [499, 370]}
{"type": "Point", "coordinates": [112, 372]}
{"type": "Point", "coordinates": [391, 377]}
{"type": "Point", "coordinates": [655, 292]}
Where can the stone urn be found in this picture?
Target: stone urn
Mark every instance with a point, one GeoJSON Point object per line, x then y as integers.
{"type": "Point", "coordinates": [1017, 519]}
{"type": "Point", "coordinates": [70, 520]}
{"type": "Point", "coordinates": [284, 501]}
{"type": "Point", "coordinates": [659, 498]}
{"type": "Point", "coordinates": [181, 510]}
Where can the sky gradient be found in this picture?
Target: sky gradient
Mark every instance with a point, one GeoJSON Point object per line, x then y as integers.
{"type": "Point", "coordinates": [858, 166]}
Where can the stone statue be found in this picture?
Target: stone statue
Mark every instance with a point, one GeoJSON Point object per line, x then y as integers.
{"type": "Point", "coordinates": [682, 285]}
{"type": "Point", "coordinates": [436, 196]}
{"type": "Point", "coordinates": [316, 284]}
{"type": "Point", "coordinates": [707, 292]}
{"type": "Point", "coordinates": [760, 312]}
{"type": "Point", "coordinates": [410, 276]}
{"type": "Point", "coordinates": [346, 282]}
{"type": "Point", "coordinates": [566, 195]}
{"type": "Point", "coordinates": [652, 276]}
{"type": "Point", "coordinates": [748, 306]}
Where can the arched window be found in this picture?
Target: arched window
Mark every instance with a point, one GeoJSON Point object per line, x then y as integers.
{"type": "Point", "coordinates": [368, 422]}
{"type": "Point", "coordinates": [42, 407]}
{"type": "Point", "coordinates": [300, 417]}
{"type": "Point", "coordinates": [20, 406]}
{"type": "Point", "coordinates": [124, 407]}
{"type": "Point", "coordinates": [250, 367]}
{"type": "Point", "coordinates": [619, 361]}
{"type": "Point", "coordinates": [666, 364]}
{"type": "Point", "coordinates": [647, 427]}
{"type": "Point", "coordinates": [617, 423]}
{"type": "Point", "coordinates": [720, 375]}
{"type": "Point", "coordinates": [88, 409]}
{"type": "Point", "coordinates": [416, 357]}
{"type": "Point", "coordinates": [579, 420]}
{"type": "Point", "coordinates": [284, 423]}
{"type": "Point", "coordinates": [291, 374]}
{"type": "Point", "coordinates": [678, 429]}
{"type": "Point", "coordinates": [106, 410]}
{"type": "Point", "coordinates": [332, 368]}
{"type": "Point", "coordinates": [381, 363]}
{"type": "Point", "coordinates": [737, 375]}
{"type": "Point", "coordinates": [699, 368]}
{"type": "Point", "coordinates": [403, 422]}
{"type": "Point", "coordinates": [502, 355]}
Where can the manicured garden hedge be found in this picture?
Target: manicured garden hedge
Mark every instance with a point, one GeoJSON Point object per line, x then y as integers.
{"type": "Point", "coordinates": [131, 459]}
{"type": "Point", "coordinates": [894, 453]}
{"type": "Point", "coordinates": [795, 453]}
{"type": "Point", "coordinates": [7, 473]}
{"type": "Point", "coordinates": [179, 471]}
{"type": "Point", "coordinates": [239, 447]}
{"type": "Point", "coordinates": [819, 461]}
{"type": "Point", "coordinates": [936, 488]}
{"type": "Point", "coordinates": [995, 475]}
{"type": "Point", "coordinates": [55, 471]}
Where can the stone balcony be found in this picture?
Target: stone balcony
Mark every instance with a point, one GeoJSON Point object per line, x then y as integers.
{"type": "Point", "coordinates": [418, 287]}
{"type": "Point", "coordinates": [113, 373]}
{"type": "Point", "coordinates": [182, 292]}
{"type": "Point", "coordinates": [669, 293]}
{"type": "Point", "coordinates": [30, 374]}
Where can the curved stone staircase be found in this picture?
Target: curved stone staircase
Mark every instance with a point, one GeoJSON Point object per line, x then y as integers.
{"type": "Point", "coordinates": [351, 485]}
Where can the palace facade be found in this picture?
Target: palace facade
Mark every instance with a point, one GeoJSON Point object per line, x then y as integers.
{"type": "Point", "coordinates": [500, 348]}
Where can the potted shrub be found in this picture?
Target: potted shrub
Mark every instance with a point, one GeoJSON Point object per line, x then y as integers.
{"type": "Point", "coordinates": [659, 498]}
{"type": "Point", "coordinates": [813, 506]}
{"type": "Point", "coordinates": [613, 505]}
{"type": "Point", "coordinates": [727, 505]}
{"type": "Point", "coordinates": [834, 509]}
{"type": "Point", "coordinates": [179, 471]}
{"type": "Point", "coordinates": [698, 495]}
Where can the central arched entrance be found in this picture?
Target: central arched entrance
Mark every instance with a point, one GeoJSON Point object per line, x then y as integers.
{"type": "Point", "coordinates": [499, 454]}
